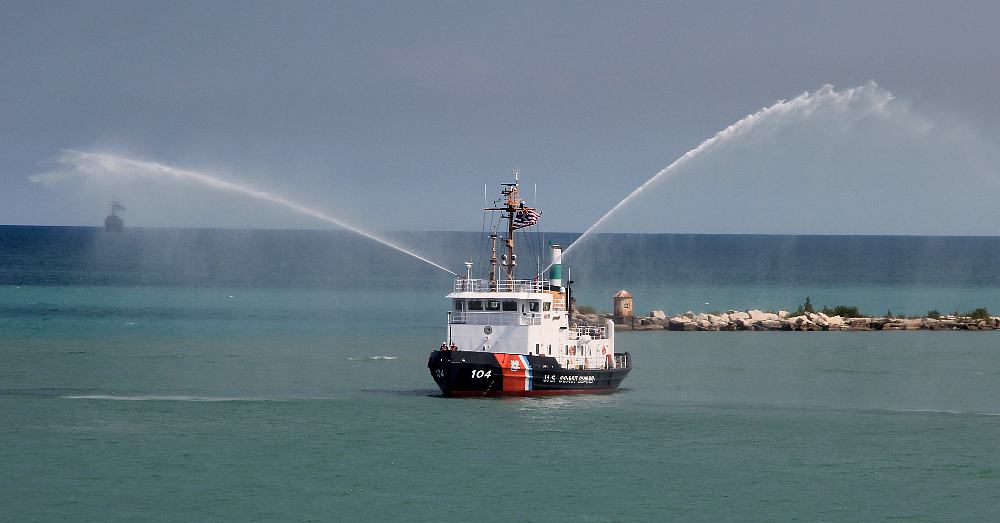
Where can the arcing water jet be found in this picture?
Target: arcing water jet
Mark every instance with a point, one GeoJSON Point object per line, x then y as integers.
{"type": "Point", "coordinates": [870, 98]}
{"type": "Point", "coordinates": [91, 163]}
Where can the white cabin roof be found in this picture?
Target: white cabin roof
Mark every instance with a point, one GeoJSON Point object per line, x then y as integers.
{"type": "Point", "coordinates": [469, 295]}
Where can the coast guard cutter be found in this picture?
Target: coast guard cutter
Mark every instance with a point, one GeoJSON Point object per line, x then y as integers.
{"type": "Point", "coordinates": [509, 336]}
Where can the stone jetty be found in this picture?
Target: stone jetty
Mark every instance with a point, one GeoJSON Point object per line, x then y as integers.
{"type": "Point", "coordinates": [756, 320]}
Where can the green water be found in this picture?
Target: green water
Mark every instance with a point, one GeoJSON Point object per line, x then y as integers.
{"type": "Point", "coordinates": [182, 404]}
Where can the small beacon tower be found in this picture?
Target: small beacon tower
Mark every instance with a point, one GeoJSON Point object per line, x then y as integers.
{"type": "Point", "coordinates": [623, 307]}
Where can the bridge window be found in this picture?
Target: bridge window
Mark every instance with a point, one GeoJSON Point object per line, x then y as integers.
{"type": "Point", "coordinates": [546, 306]}
{"type": "Point", "coordinates": [533, 306]}
{"type": "Point", "coordinates": [475, 305]}
{"type": "Point", "coordinates": [458, 305]}
{"type": "Point", "coordinates": [510, 305]}
{"type": "Point", "coordinates": [492, 305]}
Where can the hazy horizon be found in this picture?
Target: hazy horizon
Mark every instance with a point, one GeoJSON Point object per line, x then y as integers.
{"type": "Point", "coordinates": [384, 115]}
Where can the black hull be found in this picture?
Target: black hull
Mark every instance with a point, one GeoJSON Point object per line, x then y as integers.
{"type": "Point", "coordinates": [466, 373]}
{"type": "Point", "coordinates": [113, 224]}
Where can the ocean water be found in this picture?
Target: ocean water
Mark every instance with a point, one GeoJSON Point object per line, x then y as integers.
{"type": "Point", "coordinates": [179, 375]}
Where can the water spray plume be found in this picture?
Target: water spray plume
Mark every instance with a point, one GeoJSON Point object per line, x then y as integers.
{"type": "Point", "coordinates": [102, 163]}
{"type": "Point", "coordinates": [804, 105]}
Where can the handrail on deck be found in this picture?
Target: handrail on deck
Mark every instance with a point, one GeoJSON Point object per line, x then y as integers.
{"type": "Point", "coordinates": [495, 318]}
{"type": "Point", "coordinates": [597, 333]}
{"type": "Point", "coordinates": [480, 285]}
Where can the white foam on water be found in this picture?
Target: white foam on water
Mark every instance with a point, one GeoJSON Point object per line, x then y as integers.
{"type": "Point", "coordinates": [949, 412]}
{"type": "Point", "coordinates": [112, 397]}
{"type": "Point", "coordinates": [372, 358]}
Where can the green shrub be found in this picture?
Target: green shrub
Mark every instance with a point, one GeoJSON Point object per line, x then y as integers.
{"type": "Point", "coordinates": [844, 311]}
{"type": "Point", "coordinates": [804, 308]}
{"type": "Point", "coordinates": [934, 314]}
{"type": "Point", "coordinates": [979, 314]}
{"type": "Point", "coordinates": [586, 309]}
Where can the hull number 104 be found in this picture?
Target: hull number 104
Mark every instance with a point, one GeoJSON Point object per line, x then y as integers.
{"type": "Point", "coordinates": [480, 373]}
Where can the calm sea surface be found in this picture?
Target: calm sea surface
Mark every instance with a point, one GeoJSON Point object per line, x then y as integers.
{"type": "Point", "coordinates": [179, 375]}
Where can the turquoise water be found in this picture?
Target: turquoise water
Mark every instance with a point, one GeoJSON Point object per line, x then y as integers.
{"type": "Point", "coordinates": [222, 399]}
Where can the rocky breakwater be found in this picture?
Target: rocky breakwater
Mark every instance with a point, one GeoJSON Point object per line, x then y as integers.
{"type": "Point", "coordinates": [756, 320]}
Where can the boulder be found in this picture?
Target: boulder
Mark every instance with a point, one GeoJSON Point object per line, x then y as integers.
{"type": "Point", "coordinates": [948, 324]}
{"type": "Point", "coordinates": [658, 315]}
{"type": "Point", "coordinates": [860, 323]}
{"type": "Point", "coordinates": [757, 315]}
{"type": "Point", "coordinates": [930, 323]}
{"type": "Point", "coordinates": [807, 325]}
{"type": "Point", "coordinates": [678, 323]}
{"type": "Point", "coordinates": [782, 314]}
{"type": "Point", "coordinates": [772, 325]}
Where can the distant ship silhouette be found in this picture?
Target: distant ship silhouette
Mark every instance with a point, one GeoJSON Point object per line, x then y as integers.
{"type": "Point", "coordinates": [113, 222]}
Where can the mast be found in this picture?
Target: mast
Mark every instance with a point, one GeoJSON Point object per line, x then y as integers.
{"type": "Point", "coordinates": [513, 200]}
{"type": "Point", "coordinates": [511, 205]}
{"type": "Point", "coordinates": [493, 260]}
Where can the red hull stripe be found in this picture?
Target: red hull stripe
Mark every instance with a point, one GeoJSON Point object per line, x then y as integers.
{"type": "Point", "coordinates": [516, 372]}
{"type": "Point", "coordinates": [549, 392]}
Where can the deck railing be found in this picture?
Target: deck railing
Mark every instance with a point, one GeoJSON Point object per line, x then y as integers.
{"type": "Point", "coordinates": [479, 285]}
{"type": "Point", "coordinates": [595, 333]}
{"type": "Point", "coordinates": [495, 318]}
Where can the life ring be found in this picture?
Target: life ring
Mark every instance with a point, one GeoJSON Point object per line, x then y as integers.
{"type": "Point", "coordinates": [604, 350]}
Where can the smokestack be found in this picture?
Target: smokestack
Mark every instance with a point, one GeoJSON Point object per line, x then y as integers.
{"type": "Point", "coordinates": [555, 272]}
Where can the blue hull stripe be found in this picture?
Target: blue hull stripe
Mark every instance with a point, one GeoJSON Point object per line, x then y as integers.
{"type": "Point", "coordinates": [527, 372]}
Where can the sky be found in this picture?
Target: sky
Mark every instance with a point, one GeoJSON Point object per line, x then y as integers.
{"type": "Point", "coordinates": [393, 115]}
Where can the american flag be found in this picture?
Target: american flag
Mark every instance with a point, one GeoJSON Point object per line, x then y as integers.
{"type": "Point", "coordinates": [526, 217]}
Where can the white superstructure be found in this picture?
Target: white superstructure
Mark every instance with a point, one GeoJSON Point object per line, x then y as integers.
{"type": "Point", "coordinates": [503, 314]}
{"type": "Point", "coordinates": [514, 336]}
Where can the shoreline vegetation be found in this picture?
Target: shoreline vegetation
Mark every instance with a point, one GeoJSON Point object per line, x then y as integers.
{"type": "Point", "coordinates": [805, 318]}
